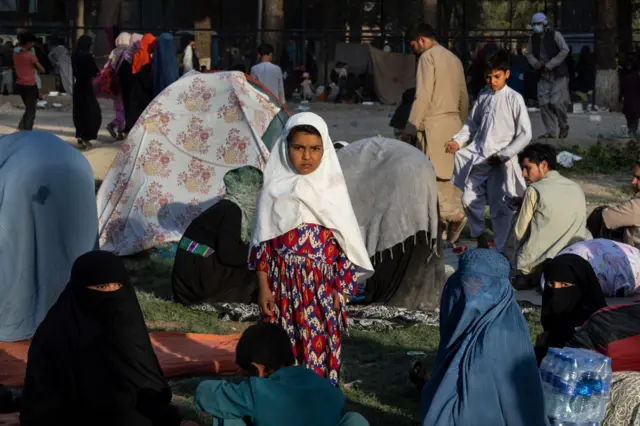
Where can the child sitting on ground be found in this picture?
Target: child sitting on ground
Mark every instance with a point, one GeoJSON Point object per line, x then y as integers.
{"type": "Point", "coordinates": [278, 393]}
{"type": "Point", "coordinates": [488, 167]}
{"type": "Point", "coordinates": [307, 87]}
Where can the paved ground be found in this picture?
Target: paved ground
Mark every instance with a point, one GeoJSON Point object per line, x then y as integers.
{"type": "Point", "coordinates": [346, 122]}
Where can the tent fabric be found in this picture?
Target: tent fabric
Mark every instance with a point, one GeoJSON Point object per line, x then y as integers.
{"type": "Point", "coordinates": [394, 196]}
{"type": "Point", "coordinates": [393, 191]}
{"type": "Point", "coordinates": [179, 354]}
{"type": "Point", "coordinates": [47, 219]}
{"type": "Point", "coordinates": [170, 168]}
{"type": "Point", "coordinates": [393, 73]}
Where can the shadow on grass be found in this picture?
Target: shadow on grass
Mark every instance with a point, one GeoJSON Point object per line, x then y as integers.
{"type": "Point", "coordinates": [150, 275]}
{"type": "Point", "coordinates": [381, 361]}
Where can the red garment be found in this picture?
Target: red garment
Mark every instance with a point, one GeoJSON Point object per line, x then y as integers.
{"type": "Point", "coordinates": [24, 62]}
{"type": "Point", "coordinates": [143, 56]}
{"type": "Point", "coordinates": [304, 266]}
{"type": "Point", "coordinates": [614, 332]}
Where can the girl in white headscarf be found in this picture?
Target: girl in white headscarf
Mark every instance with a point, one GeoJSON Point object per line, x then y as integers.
{"type": "Point", "coordinates": [306, 244]}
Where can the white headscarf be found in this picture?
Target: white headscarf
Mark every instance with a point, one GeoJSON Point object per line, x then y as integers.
{"type": "Point", "coordinates": [123, 42]}
{"type": "Point", "coordinates": [289, 199]}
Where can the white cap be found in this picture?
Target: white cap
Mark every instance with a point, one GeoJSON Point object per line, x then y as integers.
{"type": "Point", "coordinates": [539, 18]}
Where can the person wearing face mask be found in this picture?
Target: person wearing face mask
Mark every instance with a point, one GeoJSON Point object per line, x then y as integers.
{"type": "Point", "coordinates": [277, 393]}
{"type": "Point", "coordinates": [91, 360]}
{"type": "Point", "coordinates": [552, 215]}
{"type": "Point", "coordinates": [571, 295]}
{"type": "Point", "coordinates": [547, 53]}
{"type": "Point", "coordinates": [306, 244]}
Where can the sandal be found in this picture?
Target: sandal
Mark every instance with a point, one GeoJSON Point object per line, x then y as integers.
{"type": "Point", "coordinates": [455, 229]}
{"type": "Point", "coordinates": [564, 133]}
{"type": "Point", "coordinates": [111, 128]}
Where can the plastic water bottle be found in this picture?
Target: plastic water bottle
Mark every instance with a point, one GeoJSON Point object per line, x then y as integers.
{"type": "Point", "coordinates": [605, 376]}
{"type": "Point", "coordinates": [547, 370]}
{"type": "Point", "coordinates": [581, 402]}
{"type": "Point", "coordinates": [560, 402]}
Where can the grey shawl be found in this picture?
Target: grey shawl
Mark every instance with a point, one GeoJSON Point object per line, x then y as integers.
{"type": "Point", "coordinates": [393, 191]}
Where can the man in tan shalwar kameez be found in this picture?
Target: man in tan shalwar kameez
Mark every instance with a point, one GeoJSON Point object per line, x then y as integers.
{"type": "Point", "coordinates": [438, 113]}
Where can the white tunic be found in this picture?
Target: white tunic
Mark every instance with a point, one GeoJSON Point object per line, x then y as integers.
{"type": "Point", "coordinates": [499, 125]}
{"type": "Point", "coordinates": [271, 76]}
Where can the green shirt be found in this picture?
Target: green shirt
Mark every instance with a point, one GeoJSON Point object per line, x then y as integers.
{"type": "Point", "coordinates": [292, 396]}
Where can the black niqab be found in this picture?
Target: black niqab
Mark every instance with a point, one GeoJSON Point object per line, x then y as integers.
{"type": "Point", "coordinates": [92, 354]}
{"type": "Point", "coordinates": [564, 309]}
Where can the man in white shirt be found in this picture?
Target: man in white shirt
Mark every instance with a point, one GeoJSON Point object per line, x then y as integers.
{"type": "Point", "coordinates": [190, 61]}
{"type": "Point", "coordinates": [486, 153]}
{"type": "Point", "coordinates": [269, 74]}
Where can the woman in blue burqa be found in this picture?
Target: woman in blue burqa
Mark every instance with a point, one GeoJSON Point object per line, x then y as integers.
{"type": "Point", "coordinates": [48, 218]}
{"type": "Point", "coordinates": [165, 64]}
{"type": "Point", "coordinates": [485, 371]}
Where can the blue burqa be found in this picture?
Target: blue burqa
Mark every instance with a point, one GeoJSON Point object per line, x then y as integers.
{"type": "Point", "coordinates": [165, 63]}
{"type": "Point", "coordinates": [485, 371]}
{"type": "Point", "coordinates": [48, 218]}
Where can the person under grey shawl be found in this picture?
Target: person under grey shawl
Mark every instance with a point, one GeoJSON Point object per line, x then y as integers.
{"type": "Point", "coordinates": [395, 198]}
{"type": "Point", "coordinates": [48, 218]}
{"type": "Point", "coordinates": [60, 58]}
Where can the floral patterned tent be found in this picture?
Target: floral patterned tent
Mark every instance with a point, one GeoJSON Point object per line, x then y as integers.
{"type": "Point", "coordinates": [170, 168]}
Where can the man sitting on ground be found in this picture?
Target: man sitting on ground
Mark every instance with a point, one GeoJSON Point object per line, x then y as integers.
{"type": "Point", "coordinates": [278, 393]}
{"type": "Point", "coordinates": [626, 216]}
{"type": "Point", "coordinates": [552, 214]}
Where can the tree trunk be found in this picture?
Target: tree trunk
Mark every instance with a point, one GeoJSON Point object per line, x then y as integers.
{"type": "Point", "coordinates": [108, 16]}
{"type": "Point", "coordinates": [203, 40]}
{"type": "Point", "coordinates": [79, 19]}
{"type": "Point", "coordinates": [625, 26]}
{"type": "Point", "coordinates": [274, 20]}
{"type": "Point", "coordinates": [607, 84]}
{"type": "Point", "coordinates": [355, 21]}
{"type": "Point", "coordinates": [203, 32]}
{"type": "Point", "coordinates": [430, 12]}
{"type": "Point", "coordinates": [331, 15]}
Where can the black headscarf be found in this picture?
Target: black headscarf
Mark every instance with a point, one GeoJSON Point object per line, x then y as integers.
{"type": "Point", "coordinates": [564, 309]}
{"type": "Point", "coordinates": [92, 351]}
{"type": "Point", "coordinates": [83, 45]}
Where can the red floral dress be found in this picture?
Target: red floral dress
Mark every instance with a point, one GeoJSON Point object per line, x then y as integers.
{"type": "Point", "coordinates": [304, 266]}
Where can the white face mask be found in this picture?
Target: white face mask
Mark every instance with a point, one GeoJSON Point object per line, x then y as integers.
{"type": "Point", "coordinates": [538, 28]}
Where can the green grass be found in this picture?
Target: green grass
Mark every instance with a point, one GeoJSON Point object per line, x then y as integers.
{"type": "Point", "coordinates": [379, 360]}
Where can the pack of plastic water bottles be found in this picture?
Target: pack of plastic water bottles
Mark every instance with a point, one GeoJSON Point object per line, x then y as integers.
{"type": "Point", "coordinates": [576, 385]}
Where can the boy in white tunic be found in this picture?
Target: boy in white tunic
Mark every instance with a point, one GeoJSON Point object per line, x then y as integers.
{"type": "Point", "coordinates": [487, 168]}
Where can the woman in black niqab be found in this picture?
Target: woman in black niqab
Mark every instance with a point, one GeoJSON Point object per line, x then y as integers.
{"type": "Point", "coordinates": [569, 303]}
{"type": "Point", "coordinates": [91, 360]}
{"type": "Point", "coordinates": [87, 116]}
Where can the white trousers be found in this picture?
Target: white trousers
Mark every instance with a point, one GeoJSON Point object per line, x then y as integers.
{"type": "Point", "coordinates": [6, 79]}
{"type": "Point", "coordinates": [484, 184]}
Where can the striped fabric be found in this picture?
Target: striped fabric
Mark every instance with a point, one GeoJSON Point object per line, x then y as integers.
{"type": "Point", "coordinates": [195, 248]}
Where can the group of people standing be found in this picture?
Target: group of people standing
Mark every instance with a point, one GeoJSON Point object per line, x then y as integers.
{"type": "Point", "coordinates": [138, 68]}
